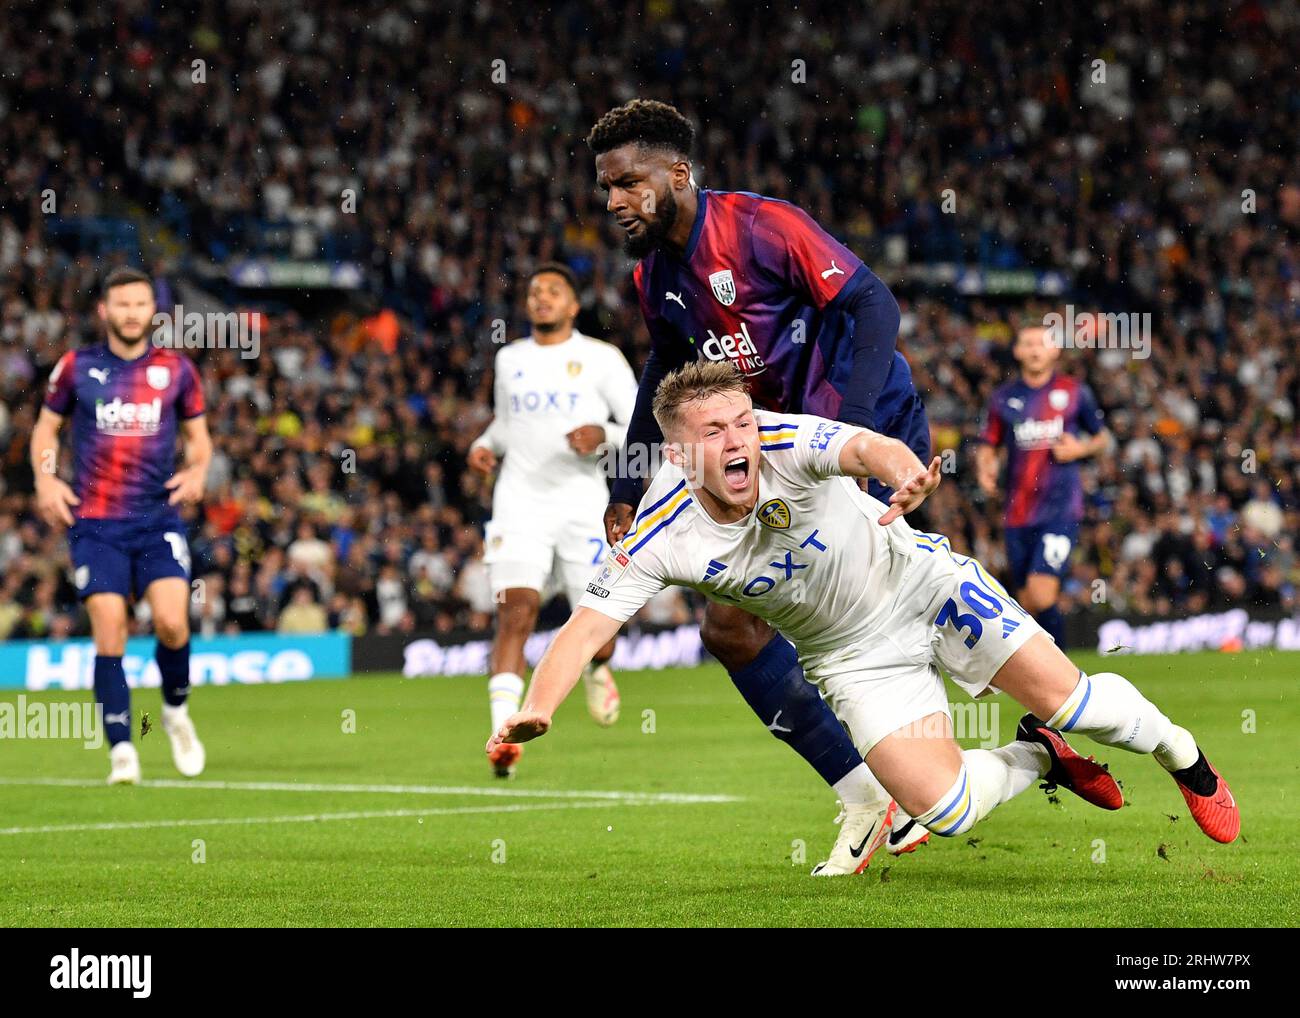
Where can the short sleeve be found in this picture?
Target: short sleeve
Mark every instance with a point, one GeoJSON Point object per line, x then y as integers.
{"type": "Point", "coordinates": [60, 392]}
{"type": "Point", "coordinates": [189, 401]}
{"type": "Point", "coordinates": [1091, 419]}
{"type": "Point", "coordinates": [618, 387]}
{"type": "Point", "coordinates": [494, 436]}
{"type": "Point", "coordinates": [993, 427]}
{"type": "Point", "coordinates": [805, 446]}
{"type": "Point", "coordinates": [624, 582]}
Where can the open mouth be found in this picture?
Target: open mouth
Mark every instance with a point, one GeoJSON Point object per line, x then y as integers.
{"type": "Point", "coordinates": [736, 472]}
{"type": "Point", "coordinates": [629, 225]}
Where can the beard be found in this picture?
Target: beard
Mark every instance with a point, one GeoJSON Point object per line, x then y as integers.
{"type": "Point", "coordinates": [547, 328]}
{"type": "Point", "coordinates": [116, 333]}
{"type": "Point", "coordinates": [655, 231]}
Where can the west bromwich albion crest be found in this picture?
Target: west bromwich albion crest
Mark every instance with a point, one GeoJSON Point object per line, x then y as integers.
{"type": "Point", "coordinates": [774, 513]}
{"type": "Point", "coordinates": [724, 287]}
{"type": "Point", "coordinates": [159, 376]}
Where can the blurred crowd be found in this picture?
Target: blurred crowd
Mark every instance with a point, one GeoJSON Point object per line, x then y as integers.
{"type": "Point", "coordinates": [1148, 150]}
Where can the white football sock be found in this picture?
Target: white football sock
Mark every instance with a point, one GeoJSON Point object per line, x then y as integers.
{"type": "Point", "coordinates": [1109, 709]}
{"type": "Point", "coordinates": [1177, 751]}
{"type": "Point", "coordinates": [988, 777]}
{"type": "Point", "coordinates": [859, 787]}
{"type": "Point", "coordinates": [505, 690]}
{"type": "Point", "coordinates": [1008, 770]}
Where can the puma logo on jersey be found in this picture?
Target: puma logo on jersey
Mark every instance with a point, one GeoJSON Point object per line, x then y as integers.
{"type": "Point", "coordinates": [834, 270]}
{"type": "Point", "coordinates": [100, 375]}
{"type": "Point", "coordinates": [677, 297]}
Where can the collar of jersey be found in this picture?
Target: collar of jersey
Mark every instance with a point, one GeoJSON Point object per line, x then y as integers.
{"type": "Point", "coordinates": [122, 360]}
{"type": "Point", "coordinates": [701, 205]}
{"type": "Point", "coordinates": [554, 346]}
{"type": "Point", "coordinates": [1052, 378]}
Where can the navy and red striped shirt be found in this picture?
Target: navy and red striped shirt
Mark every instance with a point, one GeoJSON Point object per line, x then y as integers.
{"type": "Point", "coordinates": [753, 287]}
{"type": "Point", "coordinates": [762, 286]}
{"type": "Point", "coordinates": [125, 418]}
{"type": "Point", "coordinates": [1028, 422]}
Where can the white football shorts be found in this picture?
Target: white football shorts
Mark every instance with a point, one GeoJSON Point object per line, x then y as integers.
{"type": "Point", "coordinates": [949, 613]}
{"type": "Point", "coordinates": [547, 553]}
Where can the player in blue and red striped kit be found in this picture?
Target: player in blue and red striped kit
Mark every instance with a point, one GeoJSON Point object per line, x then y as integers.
{"type": "Point", "coordinates": [739, 277]}
{"type": "Point", "coordinates": [128, 401]}
{"type": "Point", "coordinates": [1047, 422]}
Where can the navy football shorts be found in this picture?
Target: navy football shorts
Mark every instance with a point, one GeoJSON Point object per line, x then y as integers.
{"type": "Point", "coordinates": [1042, 548]}
{"type": "Point", "coordinates": [125, 556]}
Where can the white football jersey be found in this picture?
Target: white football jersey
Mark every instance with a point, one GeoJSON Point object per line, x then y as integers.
{"type": "Point", "coordinates": [541, 394]}
{"type": "Point", "coordinates": [811, 559]}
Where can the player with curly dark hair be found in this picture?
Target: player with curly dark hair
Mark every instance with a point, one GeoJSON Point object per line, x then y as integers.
{"type": "Point", "coordinates": [739, 277]}
{"type": "Point", "coordinates": [647, 125]}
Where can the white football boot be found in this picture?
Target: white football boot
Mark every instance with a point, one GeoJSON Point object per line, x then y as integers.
{"type": "Point", "coordinates": [124, 762]}
{"type": "Point", "coordinates": [187, 751]}
{"type": "Point", "coordinates": [863, 829]}
{"type": "Point", "coordinates": [603, 700]}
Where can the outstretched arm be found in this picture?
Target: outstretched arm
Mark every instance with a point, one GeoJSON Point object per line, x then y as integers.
{"type": "Point", "coordinates": [556, 675]}
{"type": "Point", "coordinates": [868, 454]}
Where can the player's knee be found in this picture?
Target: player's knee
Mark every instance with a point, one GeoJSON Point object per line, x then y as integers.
{"type": "Point", "coordinates": [1039, 595]}
{"type": "Point", "coordinates": [172, 631]}
{"type": "Point", "coordinates": [1035, 605]}
{"type": "Point", "coordinates": [734, 645]}
{"type": "Point", "coordinates": [517, 616]}
{"type": "Point", "coordinates": [109, 631]}
{"type": "Point", "coordinates": [111, 643]}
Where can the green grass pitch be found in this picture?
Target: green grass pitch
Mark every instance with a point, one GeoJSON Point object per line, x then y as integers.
{"type": "Point", "coordinates": [427, 837]}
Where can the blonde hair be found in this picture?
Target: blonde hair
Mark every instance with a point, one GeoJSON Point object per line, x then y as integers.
{"type": "Point", "coordinates": [693, 383]}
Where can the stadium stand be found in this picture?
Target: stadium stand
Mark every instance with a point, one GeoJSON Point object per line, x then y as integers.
{"type": "Point", "coordinates": [339, 496]}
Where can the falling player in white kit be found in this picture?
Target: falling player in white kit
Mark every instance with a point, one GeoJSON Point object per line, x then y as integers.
{"type": "Point", "coordinates": [555, 394]}
{"type": "Point", "coordinates": [761, 509]}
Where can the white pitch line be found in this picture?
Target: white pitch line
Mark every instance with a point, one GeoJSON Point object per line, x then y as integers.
{"type": "Point", "coordinates": [294, 786]}
{"type": "Point", "coordinates": [136, 825]}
